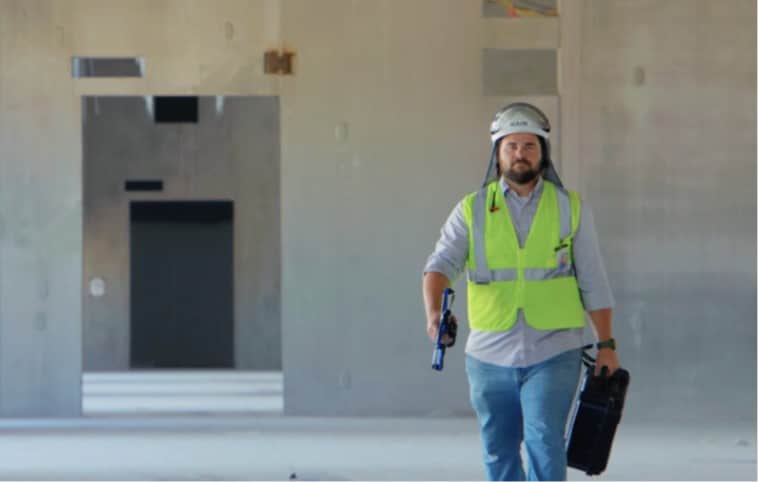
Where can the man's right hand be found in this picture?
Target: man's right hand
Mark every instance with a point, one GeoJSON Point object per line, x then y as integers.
{"type": "Point", "coordinates": [433, 285]}
{"type": "Point", "coordinates": [433, 327]}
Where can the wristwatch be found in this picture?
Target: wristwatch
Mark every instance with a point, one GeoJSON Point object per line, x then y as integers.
{"type": "Point", "coordinates": [609, 343]}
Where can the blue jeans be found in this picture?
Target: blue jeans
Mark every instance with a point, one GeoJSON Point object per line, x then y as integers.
{"type": "Point", "coordinates": [530, 404]}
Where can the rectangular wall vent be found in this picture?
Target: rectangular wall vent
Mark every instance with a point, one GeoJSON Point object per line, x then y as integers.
{"type": "Point", "coordinates": [143, 185]}
{"type": "Point", "coordinates": [175, 109]}
{"type": "Point", "coordinates": [107, 67]}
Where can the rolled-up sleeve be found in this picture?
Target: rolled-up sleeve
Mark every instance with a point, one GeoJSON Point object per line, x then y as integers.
{"type": "Point", "coordinates": [451, 250]}
{"type": "Point", "coordinates": [588, 261]}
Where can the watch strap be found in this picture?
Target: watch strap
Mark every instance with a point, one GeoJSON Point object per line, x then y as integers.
{"type": "Point", "coordinates": [609, 343]}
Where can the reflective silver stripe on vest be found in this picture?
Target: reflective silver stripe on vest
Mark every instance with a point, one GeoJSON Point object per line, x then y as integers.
{"type": "Point", "coordinates": [497, 275]}
{"type": "Point", "coordinates": [539, 274]}
{"type": "Point", "coordinates": [530, 274]}
{"type": "Point", "coordinates": [564, 207]}
{"type": "Point", "coordinates": [482, 274]}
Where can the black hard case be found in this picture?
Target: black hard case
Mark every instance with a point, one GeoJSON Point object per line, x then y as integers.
{"type": "Point", "coordinates": [597, 413]}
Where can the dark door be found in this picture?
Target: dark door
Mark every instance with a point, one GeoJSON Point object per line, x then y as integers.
{"type": "Point", "coordinates": [182, 284]}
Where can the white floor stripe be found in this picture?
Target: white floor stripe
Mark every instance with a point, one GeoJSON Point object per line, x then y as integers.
{"type": "Point", "coordinates": [195, 391]}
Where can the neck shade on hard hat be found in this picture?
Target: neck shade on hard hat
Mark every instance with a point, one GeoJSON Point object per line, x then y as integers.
{"type": "Point", "coordinates": [521, 117]}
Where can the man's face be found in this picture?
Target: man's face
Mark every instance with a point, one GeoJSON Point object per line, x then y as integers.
{"type": "Point", "coordinates": [519, 156]}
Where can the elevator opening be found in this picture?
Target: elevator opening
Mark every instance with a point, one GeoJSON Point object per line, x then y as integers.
{"type": "Point", "coordinates": [181, 303]}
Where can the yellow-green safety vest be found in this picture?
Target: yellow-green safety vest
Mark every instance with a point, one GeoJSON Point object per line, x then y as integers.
{"type": "Point", "coordinates": [538, 278]}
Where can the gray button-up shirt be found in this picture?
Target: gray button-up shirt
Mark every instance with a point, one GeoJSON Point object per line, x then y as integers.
{"type": "Point", "coordinates": [523, 345]}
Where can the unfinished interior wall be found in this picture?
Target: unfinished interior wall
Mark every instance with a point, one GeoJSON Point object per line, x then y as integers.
{"type": "Point", "coordinates": [647, 86]}
{"type": "Point", "coordinates": [383, 128]}
{"type": "Point", "coordinates": [192, 47]}
{"type": "Point", "coordinates": [668, 160]}
{"type": "Point", "coordinates": [40, 217]}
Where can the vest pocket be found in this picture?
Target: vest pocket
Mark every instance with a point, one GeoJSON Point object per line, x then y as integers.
{"type": "Point", "coordinates": [492, 307]}
{"type": "Point", "coordinates": [553, 304]}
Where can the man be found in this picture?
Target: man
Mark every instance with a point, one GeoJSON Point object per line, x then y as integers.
{"type": "Point", "coordinates": [534, 267]}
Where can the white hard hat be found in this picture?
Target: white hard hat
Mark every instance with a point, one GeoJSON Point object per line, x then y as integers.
{"type": "Point", "coordinates": [519, 117]}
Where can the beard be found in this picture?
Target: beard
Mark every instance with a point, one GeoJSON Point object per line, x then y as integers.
{"type": "Point", "coordinates": [522, 176]}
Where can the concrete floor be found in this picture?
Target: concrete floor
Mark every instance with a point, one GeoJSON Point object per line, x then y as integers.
{"type": "Point", "coordinates": [271, 447]}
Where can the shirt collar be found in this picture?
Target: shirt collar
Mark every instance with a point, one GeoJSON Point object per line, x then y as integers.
{"type": "Point", "coordinates": [537, 189]}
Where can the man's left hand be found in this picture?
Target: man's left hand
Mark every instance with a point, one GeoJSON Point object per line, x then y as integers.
{"type": "Point", "coordinates": [606, 357]}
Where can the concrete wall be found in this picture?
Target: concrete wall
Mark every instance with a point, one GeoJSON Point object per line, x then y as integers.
{"type": "Point", "coordinates": [232, 153]}
{"type": "Point", "coordinates": [639, 149]}
{"type": "Point", "coordinates": [40, 217]}
{"type": "Point", "coordinates": [361, 213]}
{"type": "Point", "coordinates": [192, 47]}
{"type": "Point", "coordinates": [668, 159]}
{"type": "Point", "coordinates": [383, 129]}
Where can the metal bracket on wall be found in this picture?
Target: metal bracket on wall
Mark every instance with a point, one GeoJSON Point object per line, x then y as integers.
{"type": "Point", "coordinates": [276, 62]}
